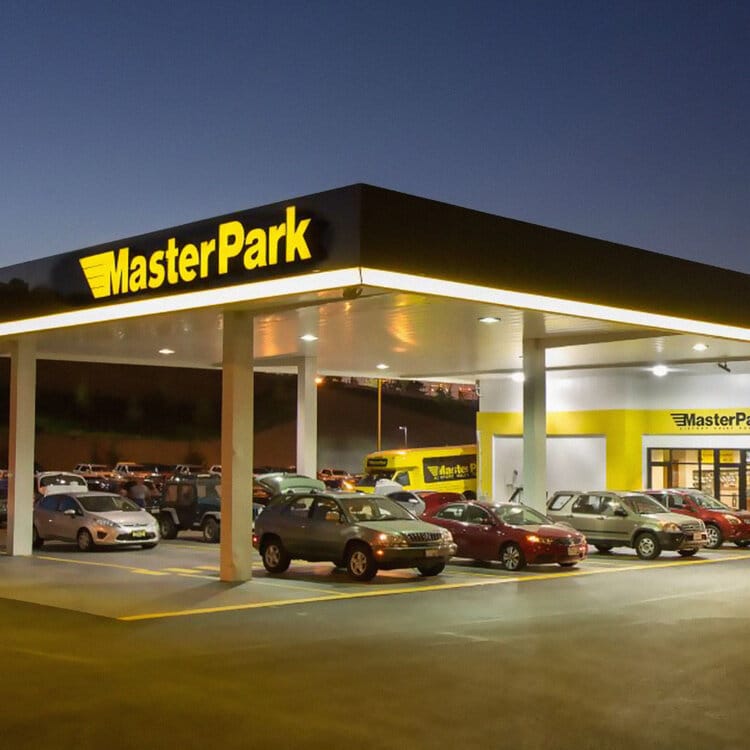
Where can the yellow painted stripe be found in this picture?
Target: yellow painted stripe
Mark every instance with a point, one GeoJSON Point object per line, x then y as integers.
{"type": "Point", "coordinates": [129, 568]}
{"type": "Point", "coordinates": [435, 587]}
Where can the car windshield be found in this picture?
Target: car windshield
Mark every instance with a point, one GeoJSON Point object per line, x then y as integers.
{"type": "Point", "coordinates": [706, 501]}
{"type": "Point", "coordinates": [107, 504]}
{"type": "Point", "coordinates": [374, 508]}
{"type": "Point", "coordinates": [64, 479]}
{"type": "Point", "coordinates": [643, 504]}
{"type": "Point", "coordinates": [520, 515]}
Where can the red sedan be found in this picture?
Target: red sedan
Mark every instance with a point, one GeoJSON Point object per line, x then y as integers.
{"type": "Point", "coordinates": [512, 533]}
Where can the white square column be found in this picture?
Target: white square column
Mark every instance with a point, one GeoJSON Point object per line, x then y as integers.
{"type": "Point", "coordinates": [307, 417]}
{"type": "Point", "coordinates": [21, 447]}
{"type": "Point", "coordinates": [534, 424]}
{"type": "Point", "coordinates": [236, 447]}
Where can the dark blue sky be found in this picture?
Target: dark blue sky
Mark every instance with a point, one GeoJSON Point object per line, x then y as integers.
{"type": "Point", "coordinates": [628, 121]}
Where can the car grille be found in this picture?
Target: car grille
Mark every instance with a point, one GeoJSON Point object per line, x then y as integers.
{"type": "Point", "coordinates": [690, 527]}
{"type": "Point", "coordinates": [569, 541]}
{"type": "Point", "coordinates": [420, 537]}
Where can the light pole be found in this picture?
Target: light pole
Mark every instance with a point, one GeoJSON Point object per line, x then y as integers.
{"type": "Point", "coordinates": [406, 434]}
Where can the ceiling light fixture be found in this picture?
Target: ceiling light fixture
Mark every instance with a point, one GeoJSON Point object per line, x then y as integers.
{"type": "Point", "coordinates": [700, 347]}
{"type": "Point", "coordinates": [660, 370]}
{"type": "Point", "coordinates": [166, 351]}
{"type": "Point", "coordinates": [382, 366]}
{"type": "Point", "coordinates": [489, 319]}
{"type": "Point", "coordinates": [308, 337]}
{"type": "Point", "coordinates": [517, 377]}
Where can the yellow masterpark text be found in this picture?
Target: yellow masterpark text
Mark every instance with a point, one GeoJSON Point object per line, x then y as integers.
{"type": "Point", "coordinates": [117, 272]}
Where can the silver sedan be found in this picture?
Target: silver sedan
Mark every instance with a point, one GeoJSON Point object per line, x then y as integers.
{"type": "Point", "coordinates": [91, 519]}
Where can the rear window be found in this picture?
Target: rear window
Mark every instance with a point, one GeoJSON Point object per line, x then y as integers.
{"type": "Point", "coordinates": [559, 500]}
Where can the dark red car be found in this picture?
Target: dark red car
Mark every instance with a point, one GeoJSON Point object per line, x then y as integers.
{"type": "Point", "coordinates": [723, 523]}
{"type": "Point", "coordinates": [512, 533]}
{"type": "Point", "coordinates": [433, 500]}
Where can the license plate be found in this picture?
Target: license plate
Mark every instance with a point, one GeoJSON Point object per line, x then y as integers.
{"type": "Point", "coordinates": [138, 534]}
{"type": "Point", "coordinates": [432, 553]}
{"type": "Point", "coordinates": [697, 536]}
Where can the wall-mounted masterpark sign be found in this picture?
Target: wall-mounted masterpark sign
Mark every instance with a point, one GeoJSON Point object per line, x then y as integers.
{"type": "Point", "coordinates": [286, 239]}
{"type": "Point", "coordinates": [724, 420]}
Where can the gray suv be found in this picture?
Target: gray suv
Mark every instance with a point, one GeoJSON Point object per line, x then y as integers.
{"type": "Point", "coordinates": [628, 519]}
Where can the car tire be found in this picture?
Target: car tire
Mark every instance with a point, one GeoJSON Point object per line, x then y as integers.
{"type": "Point", "coordinates": [603, 548]}
{"type": "Point", "coordinates": [84, 540]}
{"type": "Point", "coordinates": [567, 564]}
{"type": "Point", "coordinates": [167, 526]}
{"type": "Point", "coordinates": [714, 536]}
{"type": "Point", "coordinates": [743, 543]}
{"type": "Point", "coordinates": [275, 557]}
{"type": "Point", "coordinates": [211, 530]}
{"type": "Point", "coordinates": [647, 546]}
{"type": "Point", "coordinates": [687, 552]}
{"type": "Point", "coordinates": [434, 569]}
{"type": "Point", "coordinates": [360, 562]}
{"type": "Point", "coordinates": [36, 541]}
{"type": "Point", "coordinates": [512, 557]}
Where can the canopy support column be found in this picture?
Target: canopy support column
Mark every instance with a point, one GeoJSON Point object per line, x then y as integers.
{"type": "Point", "coordinates": [307, 417]}
{"type": "Point", "coordinates": [534, 424]}
{"type": "Point", "coordinates": [236, 448]}
{"type": "Point", "coordinates": [21, 447]}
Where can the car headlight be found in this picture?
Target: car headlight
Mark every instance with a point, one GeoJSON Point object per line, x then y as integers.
{"type": "Point", "coordinates": [107, 522]}
{"type": "Point", "coordinates": [447, 537]}
{"type": "Point", "coordinates": [672, 528]}
{"type": "Point", "coordinates": [391, 540]}
{"type": "Point", "coordinates": [734, 520]}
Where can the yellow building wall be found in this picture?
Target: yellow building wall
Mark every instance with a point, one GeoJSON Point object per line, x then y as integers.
{"type": "Point", "coordinates": [622, 428]}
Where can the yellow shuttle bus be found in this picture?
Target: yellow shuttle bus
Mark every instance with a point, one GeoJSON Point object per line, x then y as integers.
{"type": "Point", "coordinates": [447, 468]}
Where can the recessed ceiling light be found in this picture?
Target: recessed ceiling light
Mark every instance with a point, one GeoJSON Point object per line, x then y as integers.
{"type": "Point", "coordinates": [489, 319]}
{"type": "Point", "coordinates": [660, 370]}
{"type": "Point", "coordinates": [309, 337]}
{"type": "Point", "coordinates": [382, 366]}
{"type": "Point", "coordinates": [166, 351]}
{"type": "Point", "coordinates": [517, 377]}
{"type": "Point", "coordinates": [699, 347]}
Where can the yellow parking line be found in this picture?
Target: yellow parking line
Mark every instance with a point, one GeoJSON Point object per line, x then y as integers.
{"type": "Point", "coordinates": [129, 568]}
{"type": "Point", "coordinates": [434, 587]}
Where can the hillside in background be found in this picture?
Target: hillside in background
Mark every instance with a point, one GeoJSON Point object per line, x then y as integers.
{"type": "Point", "coordinates": [108, 412]}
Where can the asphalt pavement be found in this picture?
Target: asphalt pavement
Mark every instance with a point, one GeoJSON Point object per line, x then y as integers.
{"type": "Point", "coordinates": [619, 653]}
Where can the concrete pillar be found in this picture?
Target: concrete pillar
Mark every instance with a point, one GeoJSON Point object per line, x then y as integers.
{"type": "Point", "coordinates": [21, 447]}
{"type": "Point", "coordinates": [307, 417]}
{"type": "Point", "coordinates": [236, 447]}
{"type": "Point", "coordinates": [534, 424]}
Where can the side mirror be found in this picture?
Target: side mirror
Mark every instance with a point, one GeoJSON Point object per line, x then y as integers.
{"type": "Point", "coordinates": [333, 515]}
{"type": "Point", "coordinates": [69, 512]}
{"type": "Point", "coordinates": [621, 512]}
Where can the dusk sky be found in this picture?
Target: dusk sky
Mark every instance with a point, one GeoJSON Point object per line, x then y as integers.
{"type": "Point", "coordinates": [628, 121]}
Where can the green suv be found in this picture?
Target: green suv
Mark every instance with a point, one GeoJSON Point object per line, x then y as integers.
{"type": "Point", "coordinates": [628, 519]}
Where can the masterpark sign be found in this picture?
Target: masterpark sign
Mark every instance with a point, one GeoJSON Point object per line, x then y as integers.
{"type": "Point", "coordinates": [287, 239]}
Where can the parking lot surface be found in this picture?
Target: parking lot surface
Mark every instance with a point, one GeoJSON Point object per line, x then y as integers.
{"type": "Point", "coordinates": [126, 649]}
{"type": "Point", "coordinates": [181, 578]}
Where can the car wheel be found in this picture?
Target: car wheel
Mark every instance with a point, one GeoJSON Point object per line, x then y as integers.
{"type": "Point", "coordinates": [36, 541]}
{"type": "Point", "coordinates": [360, 563]}
{"type": "Point", "coordinates": [435, 569]}
{"type": "Point", "coordinates": [603, 548]}
{"type": "Point", "coordinates": [512, 557]}
{"type": "Point", "coordinates": [647, 546]}
{"type": "Point", "coordinates": [85, 541]}
{"type": "Point", "coordinates": [687, 552]}
{"type": "Point", "coordinates": [743, 543]}
{"type": "Point", "coordinates": [211, 530]}
{"type": "Point", "coordinates": [714, 536]}
{"type": "Point", "coordinates": [275, 558]}
{"type": "Point", "coordinates": [567, 564]}
{"type": "Point", "coordinates": [167, 526]}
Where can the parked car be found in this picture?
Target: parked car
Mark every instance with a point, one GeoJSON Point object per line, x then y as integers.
{"type": "Point", "coordinates": [91, 519]}
{"type": "Point", "coordinates": [336, 478]}
{"type": "Point", "coordinates": [188, 469]}
{"type": "Point", "coordinates": [215, 469]}
{"type": "Point", "coordinates": [512, 533]}
{"type": "Point", "coordinates": [409, 500]}
{"type": "Point", "coordinates": [362, 533]}
{"type": "Point", "coordinates": [129, 469]}
{"type": "Point", "coordinates": [723, 523]}
{"type": "Point", "coordinates": [433, 500]}
{"type": "Point", "coordinates": [628, 519]}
